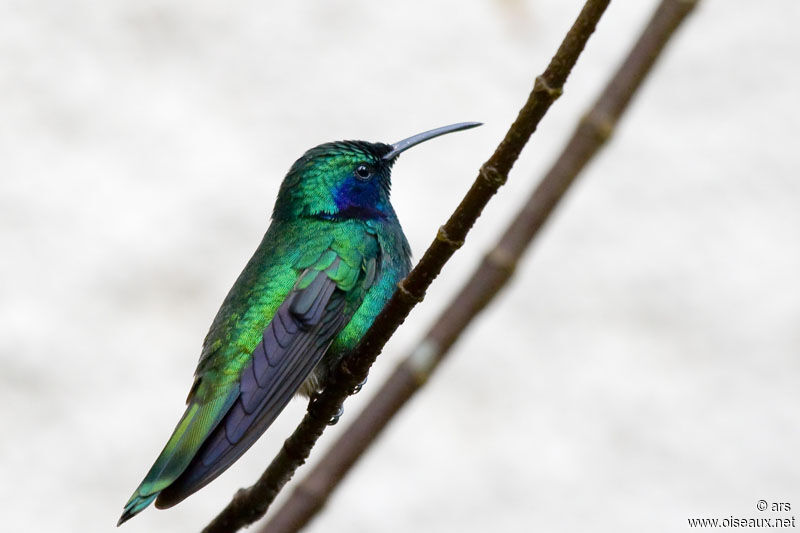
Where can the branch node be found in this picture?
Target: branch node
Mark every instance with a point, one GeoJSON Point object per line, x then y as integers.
{"type": "Point", "coordinates": [313, 496]}
{"type": "Point", "coordinates": [443, 237]}
{"type": "Point", "coordinates": [494, 178]}
{"type": "Point", "coordinates": [541, 86]}
{"type": "Point", "coordinates": [423, 360]}
{"type": "Point", "coordinates": [600, 124]}
{"type": "Point", "coordinates": [407, 295]}
{"type": "Point", "coordinates": [502, 259]}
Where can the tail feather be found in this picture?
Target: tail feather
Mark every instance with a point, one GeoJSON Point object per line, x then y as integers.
{"type": "Point", "coordinates": [134, 506]}
{"type": "Point", "coordinates": [197, 422]}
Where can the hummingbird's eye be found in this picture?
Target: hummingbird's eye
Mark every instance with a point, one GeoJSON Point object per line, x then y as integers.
{"type": "Point", "coordinates": [363, 172]}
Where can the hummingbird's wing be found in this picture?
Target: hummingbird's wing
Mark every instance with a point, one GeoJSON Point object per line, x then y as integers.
{"type": "Point", "coordinates": [315, 311]}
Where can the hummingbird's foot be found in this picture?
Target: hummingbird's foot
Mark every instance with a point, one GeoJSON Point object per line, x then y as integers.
{"type": "Point", "coordinates": [335, 418]}
{"type": "Point", "coordinates": [314, 398]}
{"type": "Point", "coordinates": [358, 387]}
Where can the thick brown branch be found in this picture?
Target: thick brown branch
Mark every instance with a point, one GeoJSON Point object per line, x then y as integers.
{"type": "Point", "coordinates": [250, 504]}
{"type": "Point", "coordinates": [497, 267]}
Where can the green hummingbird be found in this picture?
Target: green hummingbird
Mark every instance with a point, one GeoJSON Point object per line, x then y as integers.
{"type": "Point", "coordinates": [327, 265]}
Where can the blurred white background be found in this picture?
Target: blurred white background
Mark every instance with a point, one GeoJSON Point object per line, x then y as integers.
{"type": "Point", "coordinates": [642, 369]}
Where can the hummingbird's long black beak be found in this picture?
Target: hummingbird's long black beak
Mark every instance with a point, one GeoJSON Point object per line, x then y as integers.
{"type": "Point", "coordinates": [405, 144]}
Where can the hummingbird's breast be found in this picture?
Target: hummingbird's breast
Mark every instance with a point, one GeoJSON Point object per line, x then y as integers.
{"type": "Point", "coordinates": [394, 262]}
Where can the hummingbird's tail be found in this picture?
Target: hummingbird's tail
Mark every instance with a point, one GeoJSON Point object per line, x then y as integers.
{"type": "Point", "coordinates": [197, 422]}
{"type": "Point", "coordinates": [134, 506]}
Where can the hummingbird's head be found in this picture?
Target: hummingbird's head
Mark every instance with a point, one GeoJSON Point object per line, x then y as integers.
{"type": "Point", "coordinates": [346, 179]}
{"type": "Point", "coordinates": [343, 179]}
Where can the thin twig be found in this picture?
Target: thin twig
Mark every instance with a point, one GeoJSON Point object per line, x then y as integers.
{"type": "Point", "coordinates": [248, 505]}
{"type": "Point", "coordinates": [310, 495]}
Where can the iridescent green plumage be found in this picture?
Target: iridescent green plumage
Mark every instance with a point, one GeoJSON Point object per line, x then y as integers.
{"type": "Point", "coordinates": [327, 265]}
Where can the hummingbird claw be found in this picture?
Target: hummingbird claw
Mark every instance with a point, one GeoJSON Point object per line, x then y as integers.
{"type": "Point", "coordinates": [358, 387]}
{"type": "Point", "coordinates": [335, 418]}
{"type": "Point", "coordinates": [314, 398]}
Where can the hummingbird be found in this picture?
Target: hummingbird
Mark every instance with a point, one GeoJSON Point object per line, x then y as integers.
{"type": "Point", "coordinates": [328, 263]}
